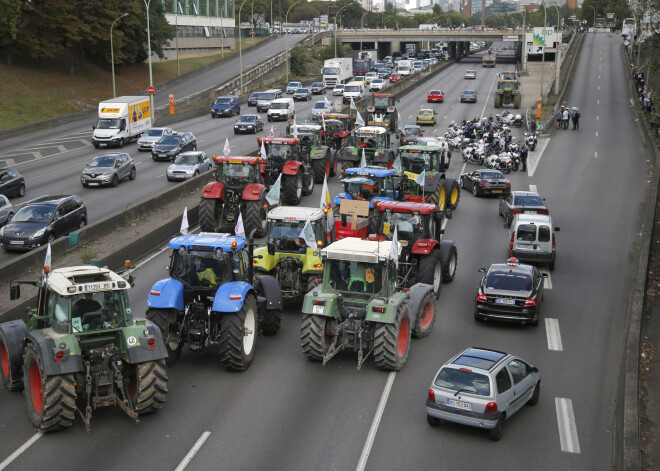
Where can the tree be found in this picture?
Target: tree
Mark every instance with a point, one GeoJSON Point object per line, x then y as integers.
{"type": "Point", "coordinates": [9, 23]}
{"type": "Point", "coordinates": [298, 61]}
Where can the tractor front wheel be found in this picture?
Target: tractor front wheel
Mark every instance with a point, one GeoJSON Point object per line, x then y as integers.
{"type": "Point", "coordinates": [238, 336]}
{"type": "Point", "coordinates": [392, 341]}
{"type": "Point", "coordinates": [320, 168]}
{"type": "Point", "coordinates": [314, 338]}
{"type": "Point", "coordinates": [8, 379]}
{"type": "Point", "coordinates": [165, 319]}
{"type": "Point", "coordinates": [146, 385]}
{"type": "Point", "coordinates": [292, 188]}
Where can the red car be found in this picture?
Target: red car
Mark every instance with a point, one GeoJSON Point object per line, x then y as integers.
{"type": "Point", "coordinates": [395, 77]}
{"type": "Point", "coordinates": [435, 96]}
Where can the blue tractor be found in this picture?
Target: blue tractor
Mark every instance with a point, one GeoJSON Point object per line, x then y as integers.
{"type": "Point", "coordinates": [211, 298]}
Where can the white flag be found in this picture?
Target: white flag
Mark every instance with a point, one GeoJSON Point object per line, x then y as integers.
{"type": "Point", "coordinates": [421, 179]}
{"type": "Point", "coordinates": [239, 230]}
{"type": "Point", "coordinates": [325, 98]}
{"type": "Point", "coordinates": [184, 222]}
{"type": "Point", "coordinates": [272, 133]}
{"type": "Point", "coordinates": [358, 119]}
{"type": "Point", "coordinates": [47, 262]}
{"type": "Point", "coordinates": [323, 122]}
{"type": "Point", "coordinates": [325, 195]}
{"type": "Point", "coordinates": [400, 121]}
{"type": "Point", "coordinates": [227, 148]}
{"type": "Point", "coordinates": [307, 234]}
{"type": "Point", "coordinates": [273, 196]}
{"type": "Point", "coordinates": [394, 249]}
{"type": "Point", "coordinates": [295, 129]}
{"type": "Point", "coordinates": [397, 165]}
{"type": "Point", "coordinates": [353, 107]}
{"type": "Point", "coordinates": [263, 150]}
{"type": "Point", "coordinates": [363, 161]}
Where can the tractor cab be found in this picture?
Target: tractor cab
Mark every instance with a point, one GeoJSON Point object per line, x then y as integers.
{"type": "Point", "coordinates": [381, 111]}
{"type": "Point", "coordinates": [367, 183]}
{"type": "Point", "coordinates": [414, 222]}
{"type": "Point", "coordinates": [237, 172]}
{"type": "Point", "coordinates": [284, 156]}
{"type": "Point", "coordinates": [418, 159]}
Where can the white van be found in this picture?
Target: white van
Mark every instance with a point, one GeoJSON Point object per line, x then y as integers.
{"type": "Point", "coordinates": [281, 109]}
{"type": "Point", "coordinates": [405, 67]}
{"type": "Point", "coordinates": [355, 90]}
{"type": "Point", "coordinates": [532, 239]}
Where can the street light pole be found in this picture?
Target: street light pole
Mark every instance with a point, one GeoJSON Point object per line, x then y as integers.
{"type": "Point", "coordinates": [336, 18]}
{"type": "Point", "coordinates": [545, 24]}
{"type": "Point", "coordinates": [361, 28]}
{"type": "Point", "coordinates": [286, 39]}
{"type": "Point", "coordinates": [240, 43]}
{"type": "Point", "coordinates": [112, 55]}
{"type": "Point", "coordinates": [151, 76]}
{"type": "Point", "coordinates": [557, 52]}
{"type": "Point", "coordinates": [594, 25]}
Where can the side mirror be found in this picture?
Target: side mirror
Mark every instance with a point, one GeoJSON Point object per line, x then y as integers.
{"type": "Point", "coordinates": [271, 248]}
{"type": "Point", "coordinates": [14, 292]}
{"type": "Point", "coordinates": [557, 229]}
{"type": "Point", "coordinates": [93, 127]}
{"type": "Point", "coordinates": [482, 270]}
{"type": "Point", "coordinates": [535, 369]}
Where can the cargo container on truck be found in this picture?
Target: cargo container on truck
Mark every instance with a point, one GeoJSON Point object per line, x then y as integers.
{"type": "Point", "coordinates": [121, 120]}
{"type": "Point", "coordinates": [336, 71]}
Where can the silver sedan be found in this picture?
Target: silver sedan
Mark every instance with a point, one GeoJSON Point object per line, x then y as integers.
{"type": "Point", "coordinates": [188, 165]}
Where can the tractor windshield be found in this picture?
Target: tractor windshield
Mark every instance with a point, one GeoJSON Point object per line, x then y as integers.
{"type": "Point", "coordinates": [202, 269]}
{"type": "Point", "coordinates": [90, 311]}
{"type": "Point", "coordinates": [355, 277]}
{"type": "Point", "coordinates": [362, 189]}
{"type": "Point", "coordinates": [417, 162]}
{"type": "Point", "coordinates": [285, 235]}
{"type": "Point", "coordinates": [234, 175]}
{"type": "Point", "coordinates": [382, 102]}
{"type": "Point", "coordinates": [281, 151]}
{"type": "Point", "coordinates": [410, 226]}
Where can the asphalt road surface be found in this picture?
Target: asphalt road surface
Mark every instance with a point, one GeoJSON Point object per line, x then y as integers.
{"type": "Point", "coordinates": [289, 413]}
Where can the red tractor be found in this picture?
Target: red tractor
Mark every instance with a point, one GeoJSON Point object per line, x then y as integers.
{"type": "Point", "coordinates": [286, 157]}
{"type": "Point", "coordinates": [239, 188]}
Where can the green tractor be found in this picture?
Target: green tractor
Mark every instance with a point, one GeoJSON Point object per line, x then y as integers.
{"type": "Point", "coordinates": [359, 306]}
{"type": "Point", "coordinates": [507, 93]}
{"type": "Point", "coordinates": [81, 349]}
{"type": "Point", "coordinates": [295, 266]}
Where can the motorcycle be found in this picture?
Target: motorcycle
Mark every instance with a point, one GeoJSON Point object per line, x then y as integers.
{"type": "Point", "coordinates": [530, 139]}
{"type": "Point", "coordinates": [518, 120]}
{"type": "Point", "coordinates": [474, 154]}
{"type": "Point", "coordinates": [502, 162]}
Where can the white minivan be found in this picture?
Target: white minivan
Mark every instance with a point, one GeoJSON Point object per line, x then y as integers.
{"type": "Point", "coordinates": [532, 239]}
{"type": "Point", "coordinates": [281, 109]}
{"type": "Point", "coordinates": [353, 90]}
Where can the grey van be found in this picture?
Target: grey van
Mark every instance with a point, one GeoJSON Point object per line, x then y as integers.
{"type": "Point", "coordinates": [532, 239]}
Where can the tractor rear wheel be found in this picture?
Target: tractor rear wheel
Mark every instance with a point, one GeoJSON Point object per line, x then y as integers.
{"type": "Point", "coordinates": [313, 337]}
{"type": "Point", "coordinates": [373, 222]}
{"type": "Point", "coordinates": [292, 189]}
{"type": "Point", "coordinates": [449, 268]}
{"type": "Point", "coordinates": [320, 167]}
{"type": "Point", "coordinates": [425, 318]}
{"type": "Point", "coordinates": [238, 335]}
{"type": "Point", "coordinates": [431, 272]}
{"type": "Point", "coordinates": [146, 385]}
{"type": "Point", "coordinates": [308, 182]}
{"type": "Point", "coordinates": [208, 220]}
{"type": "Point", "coordinates": [452, 192]}
{"type": "Point", "coordinates": [438, 197]}
{"type": "Point", "coordinates": [50, 400]}
{"type": "Point", "coordinates": [165, 319]}
{"type": "Point", "coordinates": [255, 217]}
{"type": "Point", "coordinates": [392, 341]}
{"type": "Point", "coordinates": [11, 383]}
{"type": "Point", "coordinates": [517, 100]}
{"type": "Point", "coordinates": [498, 101]}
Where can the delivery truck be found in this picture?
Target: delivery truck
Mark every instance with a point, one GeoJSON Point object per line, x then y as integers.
{"type": "Point", "coordinates": [337, 70]}
{"type": "Point", "coordinates": [121, 120]}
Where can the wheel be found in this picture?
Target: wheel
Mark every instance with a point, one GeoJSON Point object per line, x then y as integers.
{"type": "Point", "coordinates": [333, 165]}
{"type": "Point", "coordinates": [506, 170]}
{"type": "Point", "coordinates": [535, 396]}
{"type": "Point", "coordinates": [392, 341]}
{"type": "Point", "coordinates": [517, 101]}
{"type": "Point", "coordinates": [497, 432]}
{"type": "Point", "coordinates": [475, 191]}
{"type": "Point", "coordinates": [133, 174]}
{"type": "Point", "coordinates": [115, 180]}
{"type": "Point", "coordinates": [432, 421]}
{"type": "Point", "coordinates": [166, 320]}
{"type": "Point", "coordinates": [498, 101]}
{"type": "Point", "coordinates": [235, 132]}
{"type": "Point", "coordinates": [449, 268]}
{"type": "Point", "coordinates": [314, 338]}
{"type": "Point", "coordinates": [515, 166]}
{"type": "Point", "coordinates": [437, 197]}
{"type": "Point", "coordinates": [82, 223]}
{"type": "Point", "coordinates": [10, 216]}
{"type": "Point", "coordinates": [10, 382]}
{"type": "Point", "coordinates": [452, 192]}
{"type": "Point", "coordinates": [21, 190]}
{"type": "Point", "coordinates": [373, 223]}
{"type": "Point", "coordinates": [238, 335]}
{"type": "Point", "coordinates": [255, 217]}
{"type": "Point", "coordinates": [425, 317]}
{"type": "Point", "coordinates": [146, 385]}
{"type": "Point", "coordinates": [269, 323]}
{"type": "Point", "coordinates": [309, 176]}
{"type": "Point", "coordinates": [292, 189]}
{"type": "Point", "coordinates": [208, 220]}
{"type": "Point", "coordinates": [463, 183]}
{"type": "Point", "coordinates": [320, 168]}
{"type": "Point", "coordinates": [96, 145]}
{"type": "Point", "coordinates": [50, 400]}
{"type": "Point", "coordinates": [121, 143]}
{"type": "Point", "coordinates": [430, 271]}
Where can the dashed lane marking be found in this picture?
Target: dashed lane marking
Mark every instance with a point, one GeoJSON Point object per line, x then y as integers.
{"type": "Point", "coordinates": [568, 436]}
{"type": "Point", "coordinates": [532, 188]}
{"type": "Point", "coordinates": [376, 422]}
{"type": "Point", "coordinates": [596, 133]}
{"type": "Point", "coordinates": [193, 451]}
{"type": "Point", "coordinates": [553, 334]}
{"type": "Point", "coordinates": [595, 155]}
{"type": "Point", "coordinates": [547, 281]}
{"type": "Point", "coordinates": [20, 450]}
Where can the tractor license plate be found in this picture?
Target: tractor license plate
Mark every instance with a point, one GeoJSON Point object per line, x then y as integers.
{"type": "Point", "coordinates": [97, 286]}
{"type": "Point", "coordinates": [459, 404]}
{"type": "Point", "coordinates": [505, 301]}
{"type": "Point", "coordinates": [317, 309]}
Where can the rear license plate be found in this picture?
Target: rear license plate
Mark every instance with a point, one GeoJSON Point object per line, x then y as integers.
{"type": "Point", "coordinates": [525, 246]}
{"type": "Point", "coordinates": [530, 212]}
{"type": "Point", "coordinates": [504, 301]}
{"type": "Point", "coordinates": [497, 191]}
{"type": "Point", "coordinates": [93, 184]}
{"type": "Point", "coordinates": [459, 404]}
{"type": "Point", "coordinates": [16, 242]}
{"type": "Point", "coordinates": [317, 309]}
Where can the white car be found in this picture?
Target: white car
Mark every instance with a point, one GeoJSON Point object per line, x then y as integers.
{"type": "Point", "coordinates": [338, 90]}
{"type": "Point", "coordinates": [470, 74]}
{"type": "Point", "coordinates": [322, 107]}
{"type": "Point", "coordinates": [370, 76]}
{"type": "Point", "coordinates": [377, 84]}
{"type": "Point", "coordinates": [149, 138]}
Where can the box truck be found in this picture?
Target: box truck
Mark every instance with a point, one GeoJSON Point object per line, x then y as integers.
{"type": "Point", "coordinates": [121, 120]}
{"type": "Point", "coordinates": [337, 70]}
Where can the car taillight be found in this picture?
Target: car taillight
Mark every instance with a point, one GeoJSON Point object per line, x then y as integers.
{"type": "Point", "coordinates": [553, 242]}
{"type": "Point", "coordinates": [482, 298]}
{"type": "Point", "coordinates": [513, 235]}
{"type": "Point", "coordinates": [543, 212]}
{"type": "Point", "coordinates": [530, 302]}
{"type": "Point", "coordinates": [235, 297]}
{"type": "Point", "coordinates": [154, 292]}
{"type": "Point", "coordinates": [491, 407]}
{"type": "Point", "coordinates": [508, 183]}
{"type": "Point", "coordinates": [431, 396]}
{"type": "Point", "coordinates": [513, 211]}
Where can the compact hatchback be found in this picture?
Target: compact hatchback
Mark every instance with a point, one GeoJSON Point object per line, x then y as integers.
{"type": "Point", "coordinates": [302, 94]}
{"type": "Point", "coordinates": [292, 87]}
{"type": "Point", "coordinates": [410, 134]}
{"type": "Point", "coordinates": [188, 165]}
{"type": "Point", "coordinates": [249, 123]}
{"type": "Point", "coordinates": [149, 138]}
{"type": "Point", "coordinates": [338, 90]}
{"type": "Point", "coordinates": [470, 74]}
{"type": "Point", "coordinates": [468, 96]}
{"type": "Point", "coordinates": [482, 388]}
{"type": "Point", "coordinates": [521, 202]}
{"type": "Point", "coordinates": [426, 116]}
{"type": "Point", "coordinates": [108, 169]}
{"type": "Point", "coordinates": [317, 88]}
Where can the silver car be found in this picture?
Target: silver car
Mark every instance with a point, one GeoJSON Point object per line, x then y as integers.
{"type": "Point", "coordinates": [6, 210]}
{"type": "Point", "coordinates": [108, 169]}
{"type": "Point", "coordinates": [482, 388]}
{"type": "Point", "coordinates": [188, 165]}
{"type": "Point", "coordinates": [150, 137]}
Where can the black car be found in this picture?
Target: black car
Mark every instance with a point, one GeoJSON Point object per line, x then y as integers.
{"type": "Point", "coordinates": [521, 202]}
{"type": "Point", "coordinates": [317, 88]}
{"type": "Point", "coordinates": [249, 123]}
{"type": "Point", "coordinates": [410, 134]}
{"type": "Point", "coordinates": [12, 183]}
{"type": "Point", "coordinates": [468, 96]}
{"type": "Point", "coordinates": [486, 182]}
{"type": "Point", "coordinates": [42, 220]}
{"type": "Point", "coordinates": [252, 100]}
{"type": "Point", "coordinates": [510, 292]}
{"type": "Point", "coordinates": [171, 145]}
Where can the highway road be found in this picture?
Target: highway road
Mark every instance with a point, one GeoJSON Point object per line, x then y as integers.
{"type": "Point", "coordinates": [288, 413]}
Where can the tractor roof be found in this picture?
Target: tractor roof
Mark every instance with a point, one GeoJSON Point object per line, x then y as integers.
{"type": "Point", "coordinates": [308, 127]}
{"type": "Point", "coordinates": [360, 180]}
{"type": "Point", "coordinates": [366, 130]}
{"type": "Point", "coordinates": [289, 141]}
{"type": "Point", "coordinates": [358, 250]}
{"type": "Point", "coordinates": [210, 241]}
{"type": "Point", "coordinates": [336, 115]}
{"type": "Point", "coordinates": [233, 159]}
{"type": "Point", "coordinates": [295, 213]}
{"type": "Point", "coordinates": [430, 148]}
{"type": "Point", "coordinates": [406, 207]}
{"type": "Point", "coordinates": [85, 279]}
{"type": "Point", "coordinates": [382, 95]}
{"type": "Point", "coordinates": [377, 172]}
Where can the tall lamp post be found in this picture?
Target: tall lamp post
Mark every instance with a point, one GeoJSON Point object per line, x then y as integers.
{"type": "Point", "coordinates": [151, 76]}
{"type": "Point", "coordinates": [252, 20]}
{"type": "Point", "coordinates": [112, 55]}
{"type": "Point", "coordinates": [594, 25]}
{"type": "Point", "coordinates": [545, 24]}
{"type": "Point", "coordinates": [336, 17]}
{"type": "Point", "coordinates": [240, 43]}
{"type": "Point", "coordinates": [286, 39]}
{"type": "Point", "coordinates": [557, 52]}
{"type": "Point", "coordinates": [361, 28]}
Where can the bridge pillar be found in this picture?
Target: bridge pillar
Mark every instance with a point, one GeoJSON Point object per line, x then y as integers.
{"type": "Point", "coordinates": [452, 50]}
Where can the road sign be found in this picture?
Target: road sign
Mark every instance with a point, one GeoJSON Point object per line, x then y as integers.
{"type": "Point", "coordinates": [539, 127]}
{"type": "Point", "coordinates": [151, 90]}
{"type": "Point", "coordinates": [531, 48]}
{"type": "Point", "coordinates": [509, 38]}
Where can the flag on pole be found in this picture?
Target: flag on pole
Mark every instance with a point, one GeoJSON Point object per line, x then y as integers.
{"type": "Point", "coordinates": [325, 98]}
{"type": "Point", "coordinates": [353, 107]}
{"type": "Point", "coordinates": [227, 149]}
{"type": "Point", "coordinates": [323, 122]}
{"type": "Point", "coordinates": [239, 230]}
{"type": "Point", "coordinates": [400, 121]}
{"type": "Point", "coordinates": [262, 152]}
{"type": "Point", "coordinates": [394, 249]}
{"type": "Point", "coordinates": [295, 129]}
{"type": "Point", "coordinates": [272, 133]}
{"type": "Point", "coordinates": [307, 234]}
{"type": "Point", "coordinates": [47, 263]}
{"type": "Point", "coordinates": [326, 205]}
{"type": "Point", "coordinates": [397, 165]}
{"type": "Point", "coordinates": [363, 161]}
{"type": "Point", "coordinates": [184, 222]}
{"type": "Point", "coordinates": [273, 196]}
{"type": "Point", "coordinates": [421, 179]}
{"type": "Point", "coordinates": [358, 119]}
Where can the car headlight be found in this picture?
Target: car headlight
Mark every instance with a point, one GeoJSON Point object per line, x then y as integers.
{"type": "Point", "coordinates": [39, 233]}
{"type": "Point", "coordinates": [2, 231]}
{"type": "Point", "coordinates": [190, 171]}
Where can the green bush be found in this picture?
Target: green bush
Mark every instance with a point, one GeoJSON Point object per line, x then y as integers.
{"type": "Point", "coordinates": [298, 60]}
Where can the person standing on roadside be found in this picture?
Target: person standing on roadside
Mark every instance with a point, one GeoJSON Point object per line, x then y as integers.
{"type": "Point", "coordinates": [523, 156]}
{"type": "Point", "coordinates": [558, 116]}
{"type": "Point", "coordinates": [564, 119]}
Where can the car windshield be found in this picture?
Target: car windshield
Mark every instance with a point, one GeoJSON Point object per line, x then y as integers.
{"type": "Point", "coordinates": [103, 161]}
{"type": "Point", "coordinates": [435, 92]}
{"type": "Point", "coordinates": [34, 213]}
{"type": "Point", "coordinates": [170, 140]}
{"type": "Point", "coordinates": [524, 200]}
{"type": "Point", "coordinates": [255, 95]}
{"type": "Point", "coordinates": [352, 88]}
{"type": "Point", "coordinates": [319, 105]}
{"type": "Point", "coordinates": [153, 133]}
{"type": "Point", "coordinates": [222, 101]}
{"type": "Point", "coordinates": [108, 124]}
{"type": "Point", "coordinates": [202, 269]}
{"type": "Point", "coordinates": [317, 85]}
{"type": "Point", "coordinates": [469, 92]}
{"type": "Point", "coordinates": [409, 226]}
{"type": "Point", "coordinates": [294, 85]}
{"type": "Point", "coordinates": [235, 174]}
{"type": "Point", "coordinates": [247, 119]}
{"type": "Point", "coordinates": [411, 130]}
{"type": "Point", "coordinates": [355, 277]}
{"type": "Point", "coordinates": [186, 159]}
{"type": "Point", "coordinates": [377, 81]}
{"type": "Point", "coordinates": [425, 113]}
{"type": "Point", "coordinates": [494, 175]}
{"type": "Point", "coordinates": [302, 90]}
{"type": "Point", "coordinates": [267, 97]}
{"type": "Point", "coordinates": [278, 106]}
{"type": "Point", "coordinates": [417, 162]}
{"type": "Point", "coordinates": [508, 281]}
{"type": "Point", "coordinates": [92, 311]}
{"type": "Point", "coordinates": [463, 380]}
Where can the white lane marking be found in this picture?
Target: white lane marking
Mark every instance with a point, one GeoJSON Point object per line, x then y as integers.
{"type": "Point", "coordinates": [376, 422]}
{"type": "Point", "coordinates": [533, 163]}
{"type": "Point", "coordinates": [20, 450]}
{"type": "Point", "coordinates": [445, 117]}
{"type": "Point", "coordinates": [552, 332]}
{"type": "Point", "coordinates": [599, 76]}
{"type": "Point", "coordinates": [598, 102]}
{"type": "Point", "coordinates": [462, 169]}
{"type": "Point", "coordinates": [8, 162]}
{"type": "Point", "coordinates": [61, 148]}
{"type": "Point", "coordinates": [191, 454]}
{"type": "Point", "coordinates": [547, 282]}
{"type": "Point", "coordinates": [566, 421]}
{"type": "Point", "coordinates": [595, 155]}
{"type": "Point", "coordinates": [631, 102]}
{"type": "Point", "coordinates": [410, 117]}
{"type": "Point", "coordinates": [597, 117]}
{"type": "Point", "coordinates": [453, 106]}
{"type": "Point", "coordinates": [596, 133]}
{"type": "Point", "coordinates": [599, 87]}
{"type": "Point", "coordinates": [532, 188]}
{"type": "Point", "coordinates": [163, 174]}
{"type": "Point", "coordinates": [488, 97]}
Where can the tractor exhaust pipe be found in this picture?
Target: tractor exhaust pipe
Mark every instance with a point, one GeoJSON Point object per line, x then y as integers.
{"type": "Point", "coordinates": [251, 255]}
